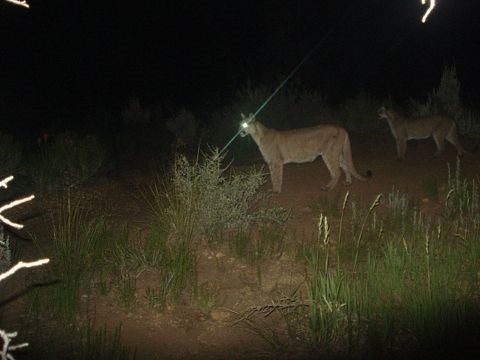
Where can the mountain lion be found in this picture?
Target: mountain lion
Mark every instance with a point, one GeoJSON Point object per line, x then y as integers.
{"type": "Point", "coordinates": [441, 127]}
{"type": "Point", "coordinates": [303, 145]}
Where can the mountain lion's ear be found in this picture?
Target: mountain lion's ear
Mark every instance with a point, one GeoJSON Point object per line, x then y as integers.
{"type": "Point", "coordinates": [243, 116]}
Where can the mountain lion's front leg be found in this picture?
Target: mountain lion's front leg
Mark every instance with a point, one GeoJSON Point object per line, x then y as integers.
{"type": "Point", "coordinates": [276, 174]}
{"type": "Point", "coordinates": [401, 148]}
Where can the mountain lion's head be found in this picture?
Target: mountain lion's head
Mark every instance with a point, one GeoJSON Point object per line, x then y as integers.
{"type": "Point", "coordinates": [247, 126]}
{"type": "Point", "coordinates": [385, 113]}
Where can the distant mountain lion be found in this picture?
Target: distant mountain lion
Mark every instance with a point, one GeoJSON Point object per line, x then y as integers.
{"type": "Point", "coordinates": [441, 127]}
{"type": "Point", "coordinates": [303, 145]}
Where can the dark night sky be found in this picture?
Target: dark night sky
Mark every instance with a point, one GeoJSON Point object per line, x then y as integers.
{"type": "Point", "coordinates": [64, 57]}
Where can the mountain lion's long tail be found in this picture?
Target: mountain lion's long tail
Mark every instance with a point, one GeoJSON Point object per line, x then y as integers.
{"type": "Point", "coordinates": [347, 156]}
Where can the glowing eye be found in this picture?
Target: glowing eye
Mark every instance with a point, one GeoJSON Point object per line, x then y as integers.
{"type": "Point", "coordinates": [244, 125]}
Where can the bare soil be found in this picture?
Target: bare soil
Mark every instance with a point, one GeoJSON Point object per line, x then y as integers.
{"type": "Point", "coordinates": [188, 331]}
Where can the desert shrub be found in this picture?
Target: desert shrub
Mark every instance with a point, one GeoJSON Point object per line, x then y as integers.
{"type": "Point", "coordinates": [443, 99]}
{"type": "Point", "coordinates": [468, 123]}
{"type": "Point", "coordinates": [66, 162]}
{"type": "Point", "coordinates": [419, 108]}
{"type": "Point", "coordinates": [201, 199]}
{"type": "Point", "coordinates": [446, 97]}
{"type": "Point", "coordinates": [185, 126]}
{"type": "Point", "coordinates": [11, 154]}
{"type": "Point", "coordinates": [135, 113]}
{"type": "Point", "coordinates": [358, 114]}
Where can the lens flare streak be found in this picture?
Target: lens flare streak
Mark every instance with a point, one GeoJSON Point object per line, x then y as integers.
{"type": "Point", "coordinates": [429, 10]}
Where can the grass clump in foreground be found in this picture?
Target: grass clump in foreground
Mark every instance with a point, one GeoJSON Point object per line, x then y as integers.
{"type": "Point", "coordinates": [408, 289]}
{"type": "Point", "coordinates": [79, 238]}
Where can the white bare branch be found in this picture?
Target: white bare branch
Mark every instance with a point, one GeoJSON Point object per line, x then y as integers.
{"type": "Point", "coordinates": [6, 347]}
{"type": "Point", "coordinates": [21, 265]}
{"type": "Point", "coordinates": [4, 182]}
{"type": "Point", "coordinates": [19, 3]}
{"type": "Point", "coordinates": [11, 205]}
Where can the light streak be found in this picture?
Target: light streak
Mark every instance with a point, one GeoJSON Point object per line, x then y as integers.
{"type": "Point", "coordinates": [429, 10]}
{"type": "Point", "coordinates": [19, 2]}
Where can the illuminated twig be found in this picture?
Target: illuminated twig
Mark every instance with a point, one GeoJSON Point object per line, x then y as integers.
{"type": "Point", "coordinates": [6, 348]}
{"type": "Point", "coordinates": [7, 337]}
{"type": "Point", "coordinates": [429, 10]}
{"type": "Point", "coordinates": [9, 206]}
{"type": "Point", "coordinates": [19, 2]}
{"type": "Point", "coordinates": [5, 181]}
{"type": "Point", "coordinates": [4, 184]}
{"type": "Point", "coordinates": [22, 265]}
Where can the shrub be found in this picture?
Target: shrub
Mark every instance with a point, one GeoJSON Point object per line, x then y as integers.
{"type": "Point", "coordinates": [358, 114]}
{"type": "Point", "coordinates": [203, 200]}
{"type": "Point", "coordinates": [468, 123]}
{"type": "Point", "coordinates": [134, 113]}
{"type": "Point", "coordinates": [184, 126]}
{"type": "Point", "coordinates": [443, 99]}
{"type": "Point", "coordinates": [11, 154]}
{"type": "Point", "coordinates": [67, 162]}
{"type": "Point", "coordinates": [446, 97]}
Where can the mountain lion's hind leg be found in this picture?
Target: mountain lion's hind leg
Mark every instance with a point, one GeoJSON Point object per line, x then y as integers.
{"type": "Point", "coordinates": [333, 166]}
{"type": "Point", "coordinates": [348, 175]}
{"type": "Point", "coordinates": [440, 141]}
{"type": "Point", "coordinates": [452, 138]}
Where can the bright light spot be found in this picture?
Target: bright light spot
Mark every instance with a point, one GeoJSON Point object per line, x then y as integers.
{"type": "Point", "coordinates": [245, 125]}
{"type": "Point", "coordinates": [429, 10]}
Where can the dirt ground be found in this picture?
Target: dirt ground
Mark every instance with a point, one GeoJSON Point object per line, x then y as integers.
{"type": "Point", "coordinates": [188, 332]}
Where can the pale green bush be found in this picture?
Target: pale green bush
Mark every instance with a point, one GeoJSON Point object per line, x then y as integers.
{"type": "Point", "coordinates": [202, 198]}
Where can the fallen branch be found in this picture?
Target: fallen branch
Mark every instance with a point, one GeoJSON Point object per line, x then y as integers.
{"type": "Point", "coordinates": [286, 303]}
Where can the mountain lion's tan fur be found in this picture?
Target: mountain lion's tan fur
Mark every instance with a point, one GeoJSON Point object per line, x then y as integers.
{"type": "Point", "coordinates": [440, 127]}
{"type": "Point", "coordinates": [303, 145]}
